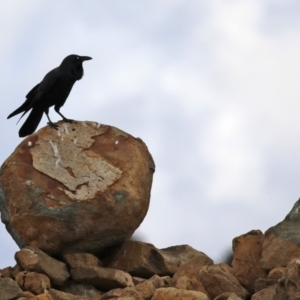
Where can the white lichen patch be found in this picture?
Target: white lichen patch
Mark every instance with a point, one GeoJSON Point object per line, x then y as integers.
{"type": "Point", "coordinates": [56, 153]}
{"type": "Point", "coordinates": [65, 127]}
{"type": "Point", "coordinates": [82, 172]}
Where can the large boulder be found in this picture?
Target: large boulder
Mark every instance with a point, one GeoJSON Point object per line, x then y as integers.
{"type": "Point", "coordinates": [82, 188]}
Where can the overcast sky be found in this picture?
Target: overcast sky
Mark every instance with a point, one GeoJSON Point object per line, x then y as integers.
{"type": "Point", "coordinates": [212, 87]}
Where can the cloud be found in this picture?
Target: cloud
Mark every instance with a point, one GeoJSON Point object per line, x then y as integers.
{"type": "Point", "coordinates": [211, 87]}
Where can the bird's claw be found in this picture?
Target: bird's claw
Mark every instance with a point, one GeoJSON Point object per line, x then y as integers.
{"type": "Point", "coordinates": [53, 126]}
{"type": "Point", "coordinates": [68, 120]}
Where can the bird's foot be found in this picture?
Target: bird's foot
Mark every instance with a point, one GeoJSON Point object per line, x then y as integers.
{"type": "Point", "coordinates": [68, 120]}
{"type": "Point", "coordinates": [53, 126]}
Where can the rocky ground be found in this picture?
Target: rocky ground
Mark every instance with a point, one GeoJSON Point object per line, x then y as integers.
{"type": "Point", "coordinates": [264, 267]}
{"type": "Point", "coordinates": [71, 200]}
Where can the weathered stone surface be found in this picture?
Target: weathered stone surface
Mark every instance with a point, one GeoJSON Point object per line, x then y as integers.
{"type": "Point", "coordinates": [42, 297]}
{"type": "Point", "coordinates": [265, 294]}
{"type": "Point", "coordinates": [34, 260]}
{"type": "Point", "coordinates": [145, 260]}
{"type": "Point", "coordinates": [9, 289]}
{"type": "Point", "coordinates": [128, 293]}
{"type": "Point", "coordinates": [28, 295]}
{"type": "Point", "coordinates": [77, 260]}
{"type": "Point", "coordinates": [282, 241]}
{"type": "Point", "coordinates": [58, 295]}
{"type": "Point", "coordinates": [80, 289]}
{"type": "Point", "coordinates": [104, 279]}
{"type": "Point", "coordinates": [280, 293]}
{"type": "Point", "coordinates": [218, 279]}
{"type": "Point", "coordinates": [228, 296]}
{"type": "Point", "coordinates": [33, 282]}
{"type": "Point", "coordinates": [286, 228]}
{"type": "Point", "coordinates": [277, 252]}
{"type": "Point", "coordinates": [16, 270]}
{"type": "Point", "coordinates": [6, 272]}
{"type": "Point", "coordinates": [276, 273]}
{"type": "Point", "coordinates": [288, 286]}
{"type": "Point", "coordinates": [161, 281]}
{"type": "Point", "coordinates": [247, 250]}
{"type": "Point", "coordinates": [186, 277]}
{"type": "Point", "coordinates": [147, 288]}
{"type": "Point", "coordinates": [263, 283]}
{"type": "Point", "coordinates": [80, 189]}
{"type": "Point", "coordinates": [171, 293]}
{"type": "Point", "coordinates": [137, 280]}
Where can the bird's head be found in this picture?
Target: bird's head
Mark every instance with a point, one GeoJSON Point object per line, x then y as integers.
{"type": "Point", "coordinates": [73, 63]}
{"type": "Point", "coordinates": [74, 59]}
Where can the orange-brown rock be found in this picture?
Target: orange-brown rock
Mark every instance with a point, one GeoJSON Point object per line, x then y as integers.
{"type": "Point", "coordinates": [104, 279]}
{"type": "Point", "coordinates": [265, 294]}
{"type": "Point", "coordinates": [79, 189]}
{"type": "Point", "coordinates": [34, 260]}
{"type": "Point", "coordinates": [171, 293]}
{"type": "Point", "coordinates": [58, 295]}
{"type": "Point", "coordinates": [33, 282]}
{"type": "Point", "coordinates": [186, 277]}
{"type": "Point", "coordinates": [228, 296]}
{"type": "Point", "coordinates": [128, 293]}
{"type": "Point", "coordinates": [28, 295]}
{"type": "Point", "coordinates": [277, 252]}
{"type": "Point", "coordinates": [79, 289]}
{"type": "Point", "coordinates": [6, 272]}
{"type": "Point", "coordinates": [77, 260]}
{"type": "Point", "coordinates": [247, 250]}
{"type": "Point", "coordinates": [147, 288]}
{"type": "Point", "coordinates": [138, 280]}
{"type": "Point", "coordinates": [145, 260]}
{"type": "Point", "coordinates": [263, 283]}
{"type": "Point", "coordinates": [16, 270]}
{"type": "Point", "coordinates": [218, 279]}
{"type": "Point", "coordinates": [43, 297]}
{"type": "Point", "coordinates": [276, 273]}
{"type": "Point", "coordinates": [288, 286]}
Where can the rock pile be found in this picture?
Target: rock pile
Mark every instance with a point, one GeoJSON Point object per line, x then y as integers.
{"type": "Point", "coordinates": [72, 198]}
{"type": "Point", "coordinates": [139, 271]}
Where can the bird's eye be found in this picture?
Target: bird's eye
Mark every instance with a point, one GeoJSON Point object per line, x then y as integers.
{"type": "Point", "coordinates": [77, 57]}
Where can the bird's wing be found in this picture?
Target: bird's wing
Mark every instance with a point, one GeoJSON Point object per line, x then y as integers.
{"type": "Point", "coordinates": [41, 89]}
{"type": "Point", "coordinates": [46, 84]}
{"type": "Point", "coordinates": [37, 93]}
{"type": "Point", "coordinates": [32, 92]}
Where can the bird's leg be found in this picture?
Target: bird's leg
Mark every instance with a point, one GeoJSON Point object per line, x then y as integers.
{"type": "Point", "coordinates": [50, 123]}
{"type": "Point", "coordinates": [64, 118]}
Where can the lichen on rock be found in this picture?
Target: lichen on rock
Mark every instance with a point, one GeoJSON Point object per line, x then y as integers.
{"type": "Point", "coordinates": [70, 162]}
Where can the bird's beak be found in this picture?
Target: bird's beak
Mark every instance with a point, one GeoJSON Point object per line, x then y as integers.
{"type": "Point", "coordinates": [83, 58]}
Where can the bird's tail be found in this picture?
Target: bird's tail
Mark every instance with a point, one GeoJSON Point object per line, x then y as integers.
{"type": "Point", "coordinates": [31, 122]}
{"type": "Point", "coordinates": [23, 108]}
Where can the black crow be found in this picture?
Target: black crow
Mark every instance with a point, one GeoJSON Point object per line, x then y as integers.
{"type": "Point", "coordinates": [54, 89]}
